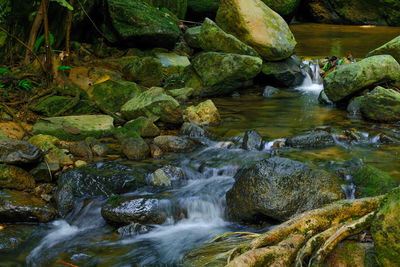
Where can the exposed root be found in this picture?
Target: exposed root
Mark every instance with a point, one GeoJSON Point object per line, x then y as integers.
{"type": "Point", "coordinates": [281, 245]}
{"type": "Point", "coordinates": [346, 230]}
{"type": "Point", "coordinates": [229, 234]}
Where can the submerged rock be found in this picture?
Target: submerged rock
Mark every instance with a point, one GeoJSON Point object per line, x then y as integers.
{"type": "Point", "coordinates": [133, 229]}
{"type": "Point", "coordinates": [252, 140]}
{"type": "Point", "coordinates": [279, 188]}
{"type": "Point", "coordinates": [213, 38]}
{"type": "Point", "coordinates": [13, 151]}
{"type": "Point", "coordinates": [385, 230]}
{"type": "Point", "coordinates": [204, 113]}
{"type": "Point", "coordinates": [153, 103]}
{"type": "Point", "coordinates": [170, 143]}
{"type": "Point", "coordinates": [166, 175]}
{"type": "Point", "coordinates": [76, 127]}
{"type": "Point", "coordinates": [18, 206]}
{"type": "Point", "coordinates": [323, 98]}
{"type": "Point", "coordinates": [381, 105]}
{"type": "Point", "coordinates": [390, 48]}
{"type": "Point", "coordinates": [354, 106]}
{"type": "Point", "coordinates": [311, 140]}
{"type": "Point", "coordinates": [352, 78]}
{"type": "Point", "coordinates": [270, 91]}
{"type": "Point", "coordinates": [12, 236]}
{"type": "Point", "coordinates": [255, 24]}
{"type": "Point", "coordinates": [12, 177]}
{"type": "Point", "coordinates": [104, 179]}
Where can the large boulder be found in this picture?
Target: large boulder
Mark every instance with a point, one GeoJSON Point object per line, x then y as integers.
{"type": "Point", "coordinates": [255, 24]}
{"type": "Point", "coordinates": [15, 178]}
{"type": "Point", "coordinates": [280, 188]}
{"type": "Point", "coordinates": [58, 105]}
{"type": "Point", "coordinates": [352, 78]}
{"type": "Point", "coordinates": [220, 73]}
{"type": "Point", "coordinates": [111, 95]}
{"type": "Point", "coordinates": [16, 206]}
{"type": "Point", "coordinates": [153, 103]}
{"type": "Point", "coordinates": [103, 179]}
{"type": "Point", "coordinates": [13, 151]}
{"type": "Point", "coordinates": [146, 71]}
{"type": "Point", "coordinates": [390, 48]}
{"type": "Point", "coordinates": [385, 230]}
{"type": "Point", "coordinates": [138, 23]}
{"type": "Point", "coordinates": [213, 38]}
{"type": "Point", "coordinates": [381, 105]}
{"type": "Point", "coordinates": [178, 7]}
{"type": "Point", "coordinates": [203, 8]}
{"type": "Point", "coordinates": [204, 113]}
{"type": "Point", "coordinates": [358, 12]}
{"type": "Point", "coordinates": [75, 127]}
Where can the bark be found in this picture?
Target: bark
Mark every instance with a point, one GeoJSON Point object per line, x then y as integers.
{"type": "Point", "coordinates": [33, 34]}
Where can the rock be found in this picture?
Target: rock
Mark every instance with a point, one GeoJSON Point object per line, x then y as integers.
{"type": "Point", "coordinates": [55, 105]}
{"type": "Point", "coordinates": [88, 148]}
{"type": "Point", "coordinates": [285, 73]}
{"type": "Point", "coordinates": [390, 48]}
{"type": "Point", "coordinates": [159, 179]}
{"type": "Point", "coordinates": [153, 103]}
{"type": "Point", "coordinates": [75, 127]}
{"type": "Point", "coordinates": [80, 163]}
{"type": "Point", "coordinates": [354, 106]}
{"type": "Point", "coordinates": [255, 24]}
{"type": "Point", "coordinates": [54, 155]}
{"type": "Point", "coordinates": [312, 140]}
{"type": "Point", "coordinates": [182, 94]}
{"type": "Point", "coordinates": [166, 175]}
{"type": "Point", "coordinates": [126, 210]}
{"type": "Point", "coordinates": [135, 148]}
{"type": "Point", "coordinates": [155, 151]}
{"type": "Point", "coordinates": [381, 105]}
{"type": "Point", "coordinates": [280, 188]}
{"type": "Point", "coordinates": [204, 113]}
{"type": "Point", "coordinates": [58, 156]}
{"type": "Point", "coordinates": [202, 8]}
{"type": "Point", "coordinates": [285, 8]}
{"type": "Point", "coordinates": [137, 23]}
{"type": "Point", "coordinates": [133, 229]}
{"type": "Point", "coordinates": [192, 130]}
{"type": "Point", "coordinates": [323, 98]}
{"type": "Point", "coordinates": [44, 191]}
{"type": "Point", "coordinates": [178, 7]}
{"type": "Point", "coordinates": [170, 143]}
{"type": "Point", "coordinates": [252, 140]}
{"type": "Point", "coordinates": [12, 177]}
{"type": "Point", "coordinates": [352, 78]}
{"type": "Point", "coordinates": [270, 91]}
{"type": "Point", "coordinates": [104, 179]}
{"type": "Point", "coordinates": [13, 236]}
{"type": "Point", "coordinates": [64, 198]}
{"type": "Point", "coordinates": [147, 71]}
{"type": "Point", "coordinates": [221, 73]}
{"type": "Point", "coordinates": [191, 36]}
{"type": "Point", "coordinates": [42, 140]}
{"type": "Point", "coordinates": [41, 171]}
{"type": "Point", "coordinates": [371, 182]}
{"type": "Point", "coordinates": [358, 12]}
{"type": "Point", "coordinates": [18, 206]}
{"type": "Point", "coordinates": [19, 152]}
{"type": "Point", "coordinates": [213, 38]}
{"type": "Point", "coordinates": [385, 231]}
{"type": "Point", "coordinates": [173, 63]}
{"type": "Point", "coordinates": [111, 95]}
{"type": "Point", "coordinates": [144, 126]}
{"type": "Point", "coordinates": [350, 253]}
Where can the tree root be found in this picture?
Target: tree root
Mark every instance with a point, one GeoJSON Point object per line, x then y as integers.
{"type": "Point", "coordinates": [225, 236]}
{"type": "Point", "coordinates": [281, 245]}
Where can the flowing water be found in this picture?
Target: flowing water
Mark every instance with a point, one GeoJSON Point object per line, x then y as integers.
{"type": "Point", "coordinates": [85, 239]}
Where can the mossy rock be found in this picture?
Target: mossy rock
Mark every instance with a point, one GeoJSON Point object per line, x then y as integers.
{"type": "Point", "coordinates": [40, 140]}
{"type": "Point", "coordinates": [12, 177]}
{"type": "Point", "coordinates": [285, 8]}
{"type": "Point", "coordinates": [203, 8]}
{"type": "Point", "coordinates": [385, 230]}
{"type": "Point", "coordinates": [75, 127]}
{"type": "Point", "coordinates": [390, 48]}
{"type": "Point", "coordinates": [371, 182]}
{"type": "Point", "coordinates": [173, 63]}
{"type": "Point", "coordinates": [191, 36]}
{"type": "Point", "coordinates": [178, 7]}
{"type": "Point", "coordinates": [147, 71]}
{"type": "Point", "coordinates": [144, 126]}
{"type": "Point", "coordinates": [205, 113]}
{"type": "Point", "coordinates": [381, 105]}
{"type": "Point", "coordinates": [111, 95]}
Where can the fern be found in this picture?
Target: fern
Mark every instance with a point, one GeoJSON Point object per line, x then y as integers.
{"type": "Point", "coordinates": [63, 3]}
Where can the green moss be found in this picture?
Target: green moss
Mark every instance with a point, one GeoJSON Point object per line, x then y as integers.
{"type": "Point", "coordinates": [178, 7]}
{"type": "Point", "coordinates": [371, 181]}
{"type": "Point", "coordinates": [147, 71]}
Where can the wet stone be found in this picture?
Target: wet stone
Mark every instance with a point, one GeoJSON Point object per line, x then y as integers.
{"type": "Point", "coordinates": [252, 140]}
{"type": "Point", "coordinates": [13, 151]}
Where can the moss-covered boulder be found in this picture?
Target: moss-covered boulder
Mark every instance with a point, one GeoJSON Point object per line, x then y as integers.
{"type": "Point", "coordinates": [352, 78]}
{"type": "Point", "coordinates": [221, 73]}
{"type": "Point", "coordinates": [386, 231]}
{"type": "Point", "coordinates": [172, 63]}
{"type": "Point", "coordinates": [147, 71]}
{"type": "Point", "coordinates": [12, 177]}
{"type": "Point", "coordinates": [178, 7]}
{"type": "Point", "coordinates": [204, 113]}
{"type": "Point", "coordinates": [43, 140]}
{"type": "Point", "coordinates": [18, 152]}
{"type": "Point", "coordinates": [145, 127]}
{"type": "Point", "coordinates": [16, 206]}
{"type": "Point", "coordinates": [213, 38]}
{"type": "Point", "coordinates": [381, 105]}
{"type": "Point", "coordinates": [255, 24]}
{"type": "Point", "coordinates": [279, 188]}
{"type": "Point", "coordinates": [371, 182]}
{"type": "Point", "coordinates": [154, 104]}
{"type": "Point", "coordinates": [181, 94]}
{"type": "Point", "coordinates": [170, 143]}
{"type": "Point", "coordinates": [285, 8]}
{"type": "Point", "coordinates": [191, 36]}
{"type": "Point", "coordinates": [53, 156]}
{"type": "Point", "coordinates": [138, 23]}
{"type": "Point", "coordinates": [111, 95]}
{"type": "Point", "coordinates": [202, 8]}
{"type": "Point", "coordinates": [75, 127]}
{"type": "Point", "coordinates": [135, 148]}
{"type": "Point", "coordinates": [390, 48]}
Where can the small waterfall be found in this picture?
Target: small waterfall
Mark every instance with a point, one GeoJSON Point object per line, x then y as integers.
{"type": "Point", "coordinates": [312, 81]}
{"type": "Point", "coordinates": [349, 189]}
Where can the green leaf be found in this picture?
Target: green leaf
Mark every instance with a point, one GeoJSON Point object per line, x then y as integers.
{"type": "Point", "coordinates": [63, 3]}
{"type": "Point", "coordinates": [64, 67]}
{"type": "Point", "coordinates": [3, 71]}
{"type": "Point", "coordinates": [40, 40]}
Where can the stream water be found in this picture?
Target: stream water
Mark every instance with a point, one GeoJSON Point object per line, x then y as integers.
{"type": "Point", "coordinates": [83, 237]}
